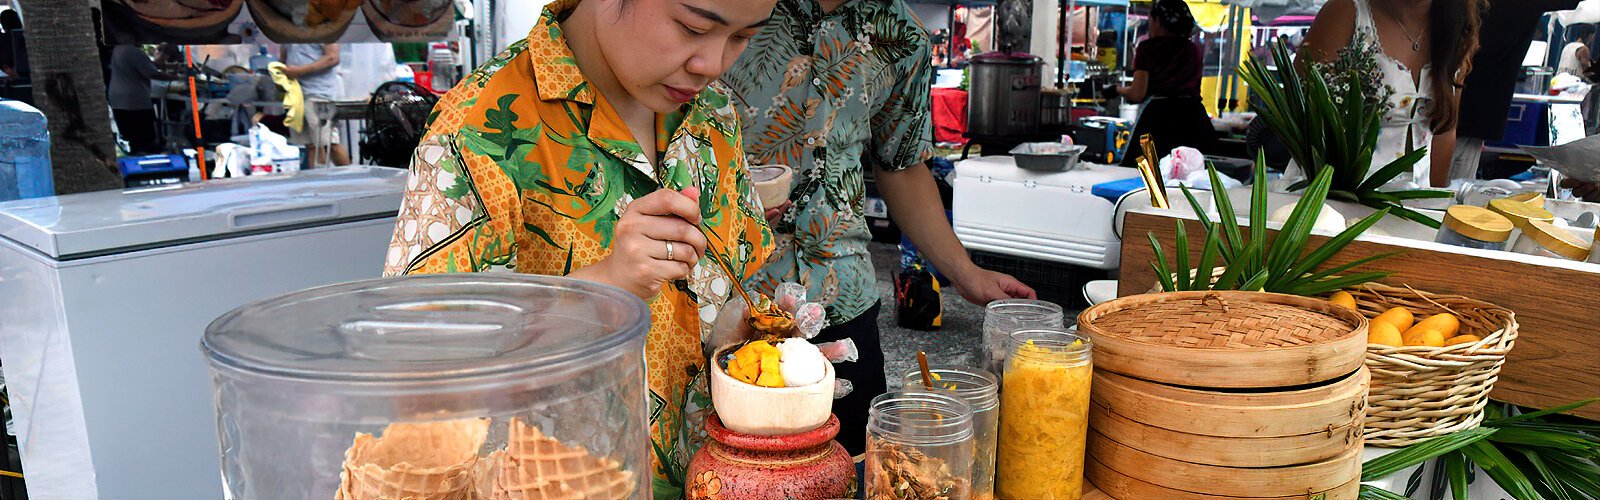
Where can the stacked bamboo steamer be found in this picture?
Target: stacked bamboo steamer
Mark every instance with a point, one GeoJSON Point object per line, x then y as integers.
{"type": "Point", "coordinates": [1226, 394]}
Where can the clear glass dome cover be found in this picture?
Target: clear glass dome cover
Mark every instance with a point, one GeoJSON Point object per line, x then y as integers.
{"type": "Point", "coordinates": [353, 388]}
{"type": "Point", "coordinates": [421, 328]}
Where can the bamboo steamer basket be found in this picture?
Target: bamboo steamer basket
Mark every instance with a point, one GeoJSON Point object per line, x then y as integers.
{"type": "Point", "coordinates": [1116, 485]}
{"type": "Point", "coordinates": [1226, 339]}
{"type": "Point", "coordinates": [1300, 481]}
{"type": "Point", "coordinates": [1232, 428]}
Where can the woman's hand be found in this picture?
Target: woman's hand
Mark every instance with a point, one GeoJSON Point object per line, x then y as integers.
{"type": "Point", "coordinates": [657, 241]}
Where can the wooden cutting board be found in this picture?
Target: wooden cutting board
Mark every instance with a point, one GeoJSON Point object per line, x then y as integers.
{"type": "Point", "coordinates": [1090, 493]}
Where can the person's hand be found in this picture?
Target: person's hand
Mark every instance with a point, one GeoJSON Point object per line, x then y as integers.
{"type": "Point", "coordinates": [1582, 190]}
{"type": "Point", "coordinates": [656, 241]}
{"type": "Point", "coordinates": [982, 286]}
{"type": "Point", "coordinates": [775, 214]}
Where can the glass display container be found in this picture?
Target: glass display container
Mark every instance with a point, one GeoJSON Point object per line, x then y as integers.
{"type": "Point", "coordinates": [919, 445]}
{"type": "Point", "coordinates": [1520, 213]}
{"type": "Point", "coordinates": [1002, 317]}
{"type": "Point", "coordinates": [1474, 227]}
{"type": "Point", "coordinates": [1044, 415]}
{"type": "Point", "coordinates": [1547, 240]}
{"type": "Point", "coordinates": [981, 391]}
{"type": "Point", "coordinates": [449, 386]}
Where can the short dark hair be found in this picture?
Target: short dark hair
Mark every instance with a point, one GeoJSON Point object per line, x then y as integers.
{"type": "Point", "coordinates": [10, 20]}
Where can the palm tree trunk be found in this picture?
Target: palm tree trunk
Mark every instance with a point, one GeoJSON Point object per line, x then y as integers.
{"type": "Point", "coordinates": [69, 87]}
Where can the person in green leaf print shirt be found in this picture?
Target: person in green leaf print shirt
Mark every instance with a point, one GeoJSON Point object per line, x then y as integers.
{"type": "Point", "coordinates": [832, 88]}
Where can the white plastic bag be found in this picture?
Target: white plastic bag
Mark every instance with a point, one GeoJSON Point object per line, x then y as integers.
{"type": "Point", "coordinates": [1183, 162]}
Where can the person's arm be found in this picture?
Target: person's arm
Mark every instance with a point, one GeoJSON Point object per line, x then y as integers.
{"type": "Point", "coordinates": [1442, 152]}
{"type": "Point", "coordinates": [1331, 31]}
{"type": "Point", "coordinates": [1440, 155]}
{"type": "Point", "coordinates": [903, 141]}
{"type": "Point", "coordinates": [1139, 89]}
{"type": "Point", "coordinates": [329, 60]}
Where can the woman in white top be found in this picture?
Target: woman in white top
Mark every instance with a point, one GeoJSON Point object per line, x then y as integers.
{"type": "Point", "coordinates": [1421, 50]}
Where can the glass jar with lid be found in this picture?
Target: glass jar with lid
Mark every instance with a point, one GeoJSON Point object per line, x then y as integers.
{"type": "Point", "coordinates": [1002, 317]}
{"type": "Point", "coordinates": [919, 445]}
{"type": "Point", "coordinates": [1548, 240]}
{"type": "Point", "coordinates": [981, 391]}
{"type": "Point", "coordinates": [1520, 213]}
{"type": "Point", "coordinates": [1044, 415]}
{"type": "Point", "coordinates": [449, 386]}
{"type": "Point", "coordinates": [1474, 227]}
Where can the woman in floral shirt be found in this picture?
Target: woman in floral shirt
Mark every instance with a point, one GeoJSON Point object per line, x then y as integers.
{"type": "Point", "coordinates": [537, 163]}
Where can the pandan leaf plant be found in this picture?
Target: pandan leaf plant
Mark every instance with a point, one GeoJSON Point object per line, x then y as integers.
{"type": "Point", "coordinates": [1332, 128]}
{"type": "Point", "coordinates": [1258, 261]}
{"type": "Point", "coordinates": [1532, 456]}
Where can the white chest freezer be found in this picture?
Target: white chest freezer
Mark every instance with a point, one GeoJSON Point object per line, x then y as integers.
{"type": "Point", "coordinates": [104, 296]}
{"type": "Point", "coordinates": [1048, 216]}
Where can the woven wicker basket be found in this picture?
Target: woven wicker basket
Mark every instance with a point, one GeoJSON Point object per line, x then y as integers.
{"type": "Point", "coordinates": [1421, 392]}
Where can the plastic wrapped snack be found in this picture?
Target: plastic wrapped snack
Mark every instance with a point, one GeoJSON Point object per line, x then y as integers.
{"type": "Point", "coordinates": [840, 351]}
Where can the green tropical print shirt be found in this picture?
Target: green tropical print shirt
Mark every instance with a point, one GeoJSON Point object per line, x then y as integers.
{"type": "Point", "coordinates": [830, 95]}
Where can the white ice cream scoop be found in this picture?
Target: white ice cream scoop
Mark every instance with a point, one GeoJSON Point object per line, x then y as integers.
{"type": "Point", "coordinates": [801, 364]}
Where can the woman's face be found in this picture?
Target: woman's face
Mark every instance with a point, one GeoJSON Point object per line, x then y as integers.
{"type": "Point", "coordinates": [664, 52]}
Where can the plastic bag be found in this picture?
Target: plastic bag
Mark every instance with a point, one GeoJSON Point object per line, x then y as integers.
{"type": "Point", "coordinates": [840, 351]}
{"type": "Point", "coordinates": [1183, 162]}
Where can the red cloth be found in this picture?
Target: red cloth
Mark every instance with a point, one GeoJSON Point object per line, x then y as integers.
{"type": "Point", "coordinates": [949, 116]}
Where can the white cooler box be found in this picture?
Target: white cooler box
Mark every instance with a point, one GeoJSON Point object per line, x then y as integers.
{"type": "Point", "coordinates": [1047, 216]}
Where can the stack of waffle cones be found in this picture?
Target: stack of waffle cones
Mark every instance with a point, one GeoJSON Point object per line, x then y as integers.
{"type": "Point", "coordinates": [434, 460]}
{"type": "Point", "coordinates": [439, 461]}
{"type": "Point", "coordinates": [535, 466]}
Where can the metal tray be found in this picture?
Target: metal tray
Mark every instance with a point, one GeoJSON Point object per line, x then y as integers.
{"type": "Point", "coordinates": [1047, 156]}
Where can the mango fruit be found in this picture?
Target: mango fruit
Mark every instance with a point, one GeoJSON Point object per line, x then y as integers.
{"type": "Point", "coordinates": [1400, 318]}
{"type": "Point", "coordinates": [1343, 298]}
{"type": "Point", "coordinates": [1462, 339]}
{"type": "Point", "coordinates": [1446, 324]}
{"type": "Point", "coordinates": [1383, 334]}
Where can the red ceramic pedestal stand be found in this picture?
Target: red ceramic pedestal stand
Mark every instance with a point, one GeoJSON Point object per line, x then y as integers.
{"type": "Point", "coordinates": [741, 466]}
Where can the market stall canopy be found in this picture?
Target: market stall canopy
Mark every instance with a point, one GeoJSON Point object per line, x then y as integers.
{"type": "Point", "coordinates": [282, 21]}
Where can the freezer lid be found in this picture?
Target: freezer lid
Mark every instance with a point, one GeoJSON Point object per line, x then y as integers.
{"type": "Point", "coordinates": [1004, 168]}
{"type": "Point", "coordinates": [108, 222]}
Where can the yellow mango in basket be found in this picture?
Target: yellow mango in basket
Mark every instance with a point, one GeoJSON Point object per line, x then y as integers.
{"type": "Point", "coordinates": [1343, 298]}
{"type": "Point", "coordinates": [1429, 337]}
{"type": "Point", "coordinates": [1462, 339]}
{"type": "Point", "coordinates": [1384, 334]}
{"type": "Point", "coordinates": [1400, 318]}
{"type": "Point", "coordinates": [1446, 324]}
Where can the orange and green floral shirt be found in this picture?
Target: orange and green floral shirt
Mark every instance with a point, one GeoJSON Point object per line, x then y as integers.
{"type": "Point", "coordinates": [526, 167]}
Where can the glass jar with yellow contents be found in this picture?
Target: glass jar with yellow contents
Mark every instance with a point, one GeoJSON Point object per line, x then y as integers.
{"type": "Point", "coordinates": [1044, 416]}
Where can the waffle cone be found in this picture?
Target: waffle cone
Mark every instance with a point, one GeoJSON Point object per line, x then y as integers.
{"type": "Point", "coordinates": [538, 467]}
{"type": "Point", "coordinates": [432, 461]}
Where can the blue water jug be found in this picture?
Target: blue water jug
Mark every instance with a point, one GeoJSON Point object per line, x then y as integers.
{"type": "Point", "coordinates": [24, 153]}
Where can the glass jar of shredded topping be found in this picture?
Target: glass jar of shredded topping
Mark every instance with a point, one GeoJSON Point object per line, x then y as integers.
{"type": "Point", "coordinates": [919, 445]}
{"type": "Point", "coordinates": [1002, 317]}
{"type": "Point", "coordinates": [1474, 227]}
{"type": "Point", "coordinates": [981, 391]}
{"type": "Point", "coordinates": [1044, 416]}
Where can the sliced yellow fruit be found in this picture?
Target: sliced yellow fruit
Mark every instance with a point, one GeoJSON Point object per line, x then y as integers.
{"type": "Point", "coordinates": [1400, 318]}
{"type": "Point", "coordinates": [1343, 298]}
{"type": "Point", "coordinates": [1384, 334]}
